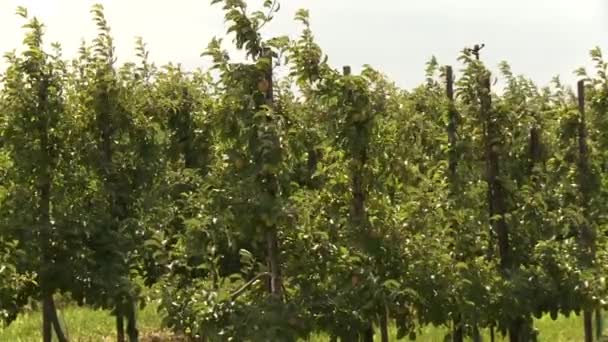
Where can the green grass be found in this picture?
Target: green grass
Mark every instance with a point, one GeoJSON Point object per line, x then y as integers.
{"type": "Point", "coordinates": [85, 324]}
{"type": "Point", "coordinates": [80, 324]}
{"type": "Point", "coordinates": [564, 329]}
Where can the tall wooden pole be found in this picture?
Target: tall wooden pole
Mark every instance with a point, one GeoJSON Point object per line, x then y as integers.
{"type": "Point", "coordinates": [586, 238]}
{"type": "Point", "coordinates": [458, 333]}
{"type": "Point", "coordinates": [358, 211]}
{"type": "Point", "coordinates": [272, 240]}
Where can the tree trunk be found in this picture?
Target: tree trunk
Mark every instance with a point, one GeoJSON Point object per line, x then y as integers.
{"type": "Point", "coordinates": [457, 333]}
{"type": "Point", "coordinates": [312, 162]}
{"type": "Point", "coordinates": [349, 337]}
{"type": "Point", "coordinates": [131, 320]}
{"type": "Point", "coordinates": [452, 124]}
{"type": "Point", "coordinates": [44, 217]}
{"type": "Point", "coordinates": [588, 325]}
{"type": "Point", "coordinates": [56, 324]}
{"type": "Point", "coordinates": [384, 325]}
{"type": "Point", "coordinates": [188, 150]}
{"type": "Point", "coordinates": [535, 147]}
{"type": "Point", "coordinates": [476, 334]}
{"type": "Point", "coordinates": [368, 334]}
{"type": "Point", "coordinates": [514, 333]}
{"type": "Point", "coordinates": [270, 181]}
{"type": "Point", "coordinates": [47, 328]}
{"type": "Point", "coordinates": [49, 313]}
{"type": "Point", "coordinates": [497, 207]}
{"type": "Point", "coordinates": [586, 237]}
{"type": "Point", "coordinates": [50, 320]}
{"type": "Point", "coordinates": [358, 215]}
{"type": "Point", "coordinates": [497, 204]}
{"type": "Point", "coordinates": [452, 130]}
{"type": "Point", "coordinates": [599, 323]}
{"type": "Point", "coordinates": [120, 328]}
{"type": "Point", "coordinates": [118, 207]}
{"type": "Point", "coordinates": [276, 285]}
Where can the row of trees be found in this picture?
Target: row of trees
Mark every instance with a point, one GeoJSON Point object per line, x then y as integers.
{"type": "Point", "coordinates": [267, 208]}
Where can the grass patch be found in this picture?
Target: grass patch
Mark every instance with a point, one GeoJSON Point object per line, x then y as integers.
{"type": "Point", "coordinates": [563, 329]}
{"type": "Point", "coordinates": [86, 324]}
{"type": "Point", "coordinates": [80, 324]}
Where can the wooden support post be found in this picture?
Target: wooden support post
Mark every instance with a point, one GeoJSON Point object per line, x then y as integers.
{"type": "Point", "coordinates": [457, 332]}
{"type": "Point", "coordinates": [272, 240]}
{"type": "Point", "coordinates": [585, 237]}
{"type": "Point", "coordinates": [358, 215]}
{"type": "Point", "coordinates": [452, 121]}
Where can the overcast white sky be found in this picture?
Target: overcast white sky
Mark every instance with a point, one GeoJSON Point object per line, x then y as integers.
{"type": "Point", "coordinates": [540, 38]}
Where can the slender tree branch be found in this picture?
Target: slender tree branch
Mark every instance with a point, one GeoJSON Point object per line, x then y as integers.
{"type": "Point", "coordinates": [272, 9]}
{"type": "Point", "coordinates": [248, 284]}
